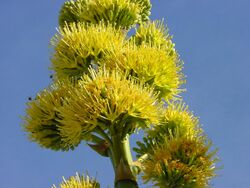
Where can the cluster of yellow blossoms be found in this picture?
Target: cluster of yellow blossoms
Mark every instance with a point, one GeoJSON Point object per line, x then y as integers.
{"type": "Point", "coordinates": [108, 81]}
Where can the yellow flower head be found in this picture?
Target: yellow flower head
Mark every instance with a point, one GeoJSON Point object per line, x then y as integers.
{"type": "Point", "coordinates": [152, 66]}
{"type": "Point", "coordinates": [110, 101]}
{"type": "Point", "coordinates": [119, 13]}
{"type": "Point", "coordinates": [42, 121]}
{"type": "Point", "coordinates": [78, 181]}
{"type": "Point", "coordinates": [77, 46]}
{"type": "Point", "coordinates": [177, 119]}
{"type": "Point", "coordinates": [154, 34]}
{"type": "Point", "coordinates": [180, 162]}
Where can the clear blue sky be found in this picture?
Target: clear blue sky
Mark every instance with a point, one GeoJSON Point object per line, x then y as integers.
{"type": "Point", "coordinates": [213, 39]}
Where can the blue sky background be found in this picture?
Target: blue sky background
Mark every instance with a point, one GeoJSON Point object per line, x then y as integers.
{"type": "Point", "coordinates": [213, 39]}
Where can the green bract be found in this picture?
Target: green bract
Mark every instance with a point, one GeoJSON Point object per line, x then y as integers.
{"type": "Point", "coordinates": [119, 13]}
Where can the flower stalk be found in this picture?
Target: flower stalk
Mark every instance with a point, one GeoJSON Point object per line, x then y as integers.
{"type": "Point", "coordinates": [122, 160]}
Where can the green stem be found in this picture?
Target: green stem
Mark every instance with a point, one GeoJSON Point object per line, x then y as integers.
{"type": "Point", "coordinates": [110, 153]}
{"type": "Point", "coordinates": [122, 159]}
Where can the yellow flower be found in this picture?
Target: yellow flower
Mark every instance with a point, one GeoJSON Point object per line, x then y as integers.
{"type": "Point", "coordinates": [152, 66]}
{"type": "Point", "coordinates": [77, 46]}
{"type": "Point", "coordinates": [180, 162]}
{"type": "Point", "coordinates": [154, 34]}
{"type": "Point", "coordinates": [111, 101]}
{"type": "Point", "coordinates": [119, 13]}
{"type": "Point", "coordinates": [42, 121]}
{"type": "Point", "coordinates": [177, 120]}
{"type": "Point", "coordinates": [79, 181]}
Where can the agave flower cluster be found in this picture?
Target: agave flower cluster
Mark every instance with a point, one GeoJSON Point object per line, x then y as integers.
{"type": "Point", "coordinates": [107, 84]}
{"type": "Point", "coordinates": [176, 153]}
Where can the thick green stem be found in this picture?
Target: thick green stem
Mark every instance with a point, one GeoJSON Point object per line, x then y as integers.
{"type": "Point", "coordinates": [122, 159]}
